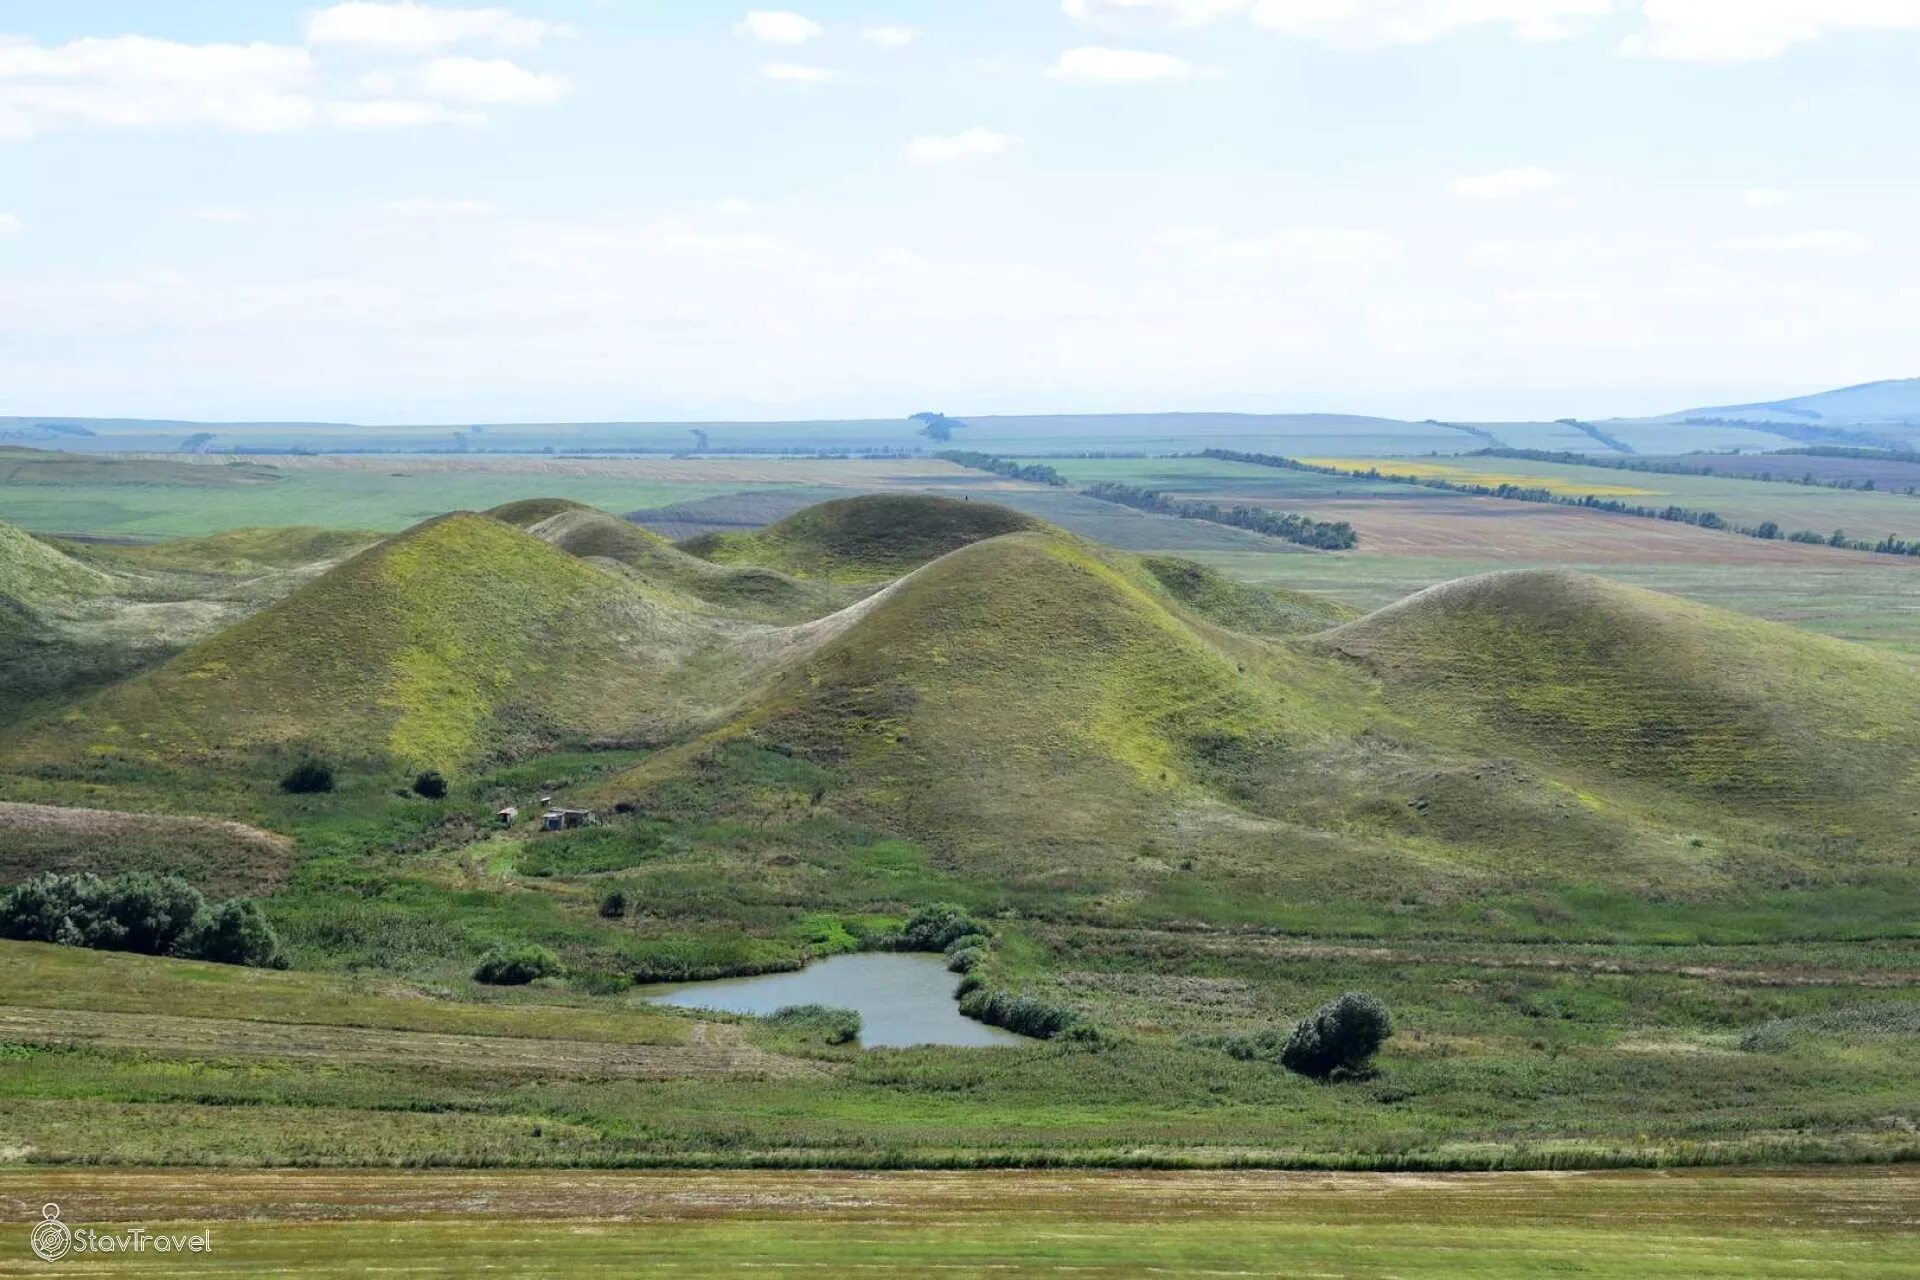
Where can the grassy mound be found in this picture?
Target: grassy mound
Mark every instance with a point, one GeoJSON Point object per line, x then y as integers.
{"type": "Point", "coordinates": [1263, 611]}
{"type": "Point", "coordinates": [460, 637]}
{"type": "Point", "coordinates": [1024, 700]}
{"type": "Point", "coordinates": [1635, 684]}
{"type": "Point", "coordinates": [745, 591]}
{"type": "Point", "coordinates": [33, 572]}
{"type": "Point", "coordinates": [863, 539]}
{"type": "Point", "coordinates": [531, 511]}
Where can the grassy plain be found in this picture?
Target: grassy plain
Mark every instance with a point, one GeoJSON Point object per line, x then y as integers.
{"type": "Point", "coordinates": [1346, 1227]}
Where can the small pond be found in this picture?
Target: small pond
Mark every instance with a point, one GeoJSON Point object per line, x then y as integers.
{"type": "Point", "coordinates": [903, 998]}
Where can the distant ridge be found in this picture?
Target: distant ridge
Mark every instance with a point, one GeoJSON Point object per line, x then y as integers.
{"type": "Point", "coordinates": [1893, 402]}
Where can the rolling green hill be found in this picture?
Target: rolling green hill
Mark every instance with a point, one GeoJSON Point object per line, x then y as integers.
{"type": "Point", "coordinates": [460, 638]}
{"type": "Point", "coordinates": [1631, 683]}
{"type": "Point", "coordinates": [745, 591]}
{"type": "Point", "coordinates": [863, 539]}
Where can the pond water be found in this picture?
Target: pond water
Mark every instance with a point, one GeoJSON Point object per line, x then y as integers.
{"type": "Point", "coordinates": [902, 998]}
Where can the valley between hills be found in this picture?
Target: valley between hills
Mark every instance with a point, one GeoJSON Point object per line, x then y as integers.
{"type": "Point", "coordinates": [1636, 875]}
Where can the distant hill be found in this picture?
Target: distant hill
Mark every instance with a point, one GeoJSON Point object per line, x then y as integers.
{"type": "Point", "coordinates": [1895, 402]}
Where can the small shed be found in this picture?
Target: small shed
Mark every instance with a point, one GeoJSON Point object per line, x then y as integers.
{"type": "Point", "coordinates": [566, 819]}
{"type": "Point", "coordinates": [506, 816]}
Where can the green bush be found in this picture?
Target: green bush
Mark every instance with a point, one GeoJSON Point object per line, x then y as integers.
{"type": "Point", "coordinates": [968, 941]}
{"type": "Point", "coordinates": [935, 927]}
{"type": "Point", "coordinates": [431, 785]}
{"type": "Point", "coordinates": [309, 777]}
{"type": "Point", "coordinates": [236, 932]}
{"type": "Point", "coordinates": [613, 906]}
{"type": "Point", "coordinates": [966, 959]}
{"type": "Point", "coordinates": [148, 914]}
{"type": "Point", "coordinates": [144, 913]}
{"type": "Point", "coordinates": [1023, 1014]}
{"type": "Point", "coordinates": [515, 966]}
{"type": "Point", "coordinates": [834, 1026]}
{"type": "Point", "coordinates": [1342, 1035]}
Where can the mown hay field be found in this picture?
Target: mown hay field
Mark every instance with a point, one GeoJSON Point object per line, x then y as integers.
{"type": "Point", "coordinates": [1609, 1226]}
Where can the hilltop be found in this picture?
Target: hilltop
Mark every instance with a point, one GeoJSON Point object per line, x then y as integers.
{"type": "Point", "coordinates": [863, 539]}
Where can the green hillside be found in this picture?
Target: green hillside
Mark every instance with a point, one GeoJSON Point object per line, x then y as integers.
{"type": "Point", "coordinates": [1635, 684]}
{"type": "Point", "coordinates": [460, 638]}
{"type": "Point", "coordinates": [863, 539]}
{"type": "Point", "coordinates": [745, 591]}
{"type": "Point", "coordinates": [1262, 611]}
{"type": "Point", "coordinates": [33, 572]}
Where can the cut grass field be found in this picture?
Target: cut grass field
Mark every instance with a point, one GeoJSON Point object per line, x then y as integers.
{"type": "Point", "coordinates": [1681, 1226]}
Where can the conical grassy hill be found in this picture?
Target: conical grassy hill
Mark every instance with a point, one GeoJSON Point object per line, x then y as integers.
{"type": "Point", "coordinates": [864, 539]}
{"type": "Point", "coordinates": [460, 638]}
{"type": "Point", "coordinates": [1620, 681]}
{"type": "Point", "coordinates": [745, 591]}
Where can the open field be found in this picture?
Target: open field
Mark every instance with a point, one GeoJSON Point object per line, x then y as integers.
{"type": "Point", "coordinates": [146, 498]}
{"type": "Point", "coordinates": [1691, 1225]}
{"type": "Point", "coordinates": [1412, 537]}
{"type": "Point", "coordinates": [1896, 474]}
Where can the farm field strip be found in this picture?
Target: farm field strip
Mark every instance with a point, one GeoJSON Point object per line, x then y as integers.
{"type": "Point", "coordinates": [1491, 475]}
{"type": "Point", "coordinates": [1856, 1222]}
{"type": "Point", "coordinates": [716, 1049]}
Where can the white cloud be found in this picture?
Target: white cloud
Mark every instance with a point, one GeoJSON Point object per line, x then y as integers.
{"type": "Point", "coordinates": [1831, 240]}
{"type": "Point", "coordinates": [492, 81]}
{"type": "Point", "coordinates": [1766, 197]}
{"type": "Point", "coordinates": [736, 207]}
{"type": "Point", "coordinates": [892, 37]}
{"type": "Point", "coordinates": [1504, 183]}
{"type": "Point", "coordinates": [220, 217]}
{"type": "Point", "coordinates": [397, 113]}
{"type": "Point", "coordinates": [970, 144]}
{"type": "Point", "coordinates": [1152, 13]}
{"type": "Point", "coordinates": [795, 73]}
{"type": "Point", "coordinates": [437, 207]}
{"type": "Point", "coordinates": [1095, 65]}
{"type": "Point", "coordinates": [1747, 30]}
{"type": "Point", "coordinates": [11, 224]}
{"type": "Point", "coordinates": [776, 26]}
{"type": "Point", "coordinates": [141, 82]}
{"type": "Point", "coordinates": [408, 27]}
{"type": "Point", "coordinates": [1285, 246]}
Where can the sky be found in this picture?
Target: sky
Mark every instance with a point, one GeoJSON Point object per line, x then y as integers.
{"type": "Point", "coordinates": [665, 209]}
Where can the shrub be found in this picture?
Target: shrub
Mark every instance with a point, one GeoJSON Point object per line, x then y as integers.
{"type": "Point", "coordinates": [142, 913]}
{"type": "Point", "coordinates": [1341, 1035]}
{"type": "Point", "coordinates": [933, 928]}
{"type": "Point", "coordinates": [237, 932]}
{"type": "Point", "coordinates": [968, 941]}
{"type": "Point", "coordinates": [835, 1026]}
{"type": "Point", "coordinates": [515, 966]}
{"type": "Point", "coordinates": [966, 959]}
{"type": "Point", "coordinates": [1024, 1014]}
{"type": "Point", "coordinates": [614, 905]}
{"type": "Point", "coordinates": [309, 777]}
{"type": "Point", "coordinates": [431, 785]}
{"type": "Point", "coordinates": [152, 915]}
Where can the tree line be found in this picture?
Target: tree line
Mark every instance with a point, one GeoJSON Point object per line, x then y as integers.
{"type": "Point", "coordinates": [1031, 472]}
{"type": "Point", "coordinates": [1675, 467]}
{"type": "Point", "coordinates": [1287, 526]}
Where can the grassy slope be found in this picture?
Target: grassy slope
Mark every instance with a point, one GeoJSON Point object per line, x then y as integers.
{"type": "Point", "coordinates": [434, 648]}
{"type": "Point", "coordinates": [1260, 611]}
{"type": "Point", "coordinates": [1630, 683]}
{"type": "Point", "coordinates": [863, 539]}
{"type": "Point", "coordinates": [747, 591]}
